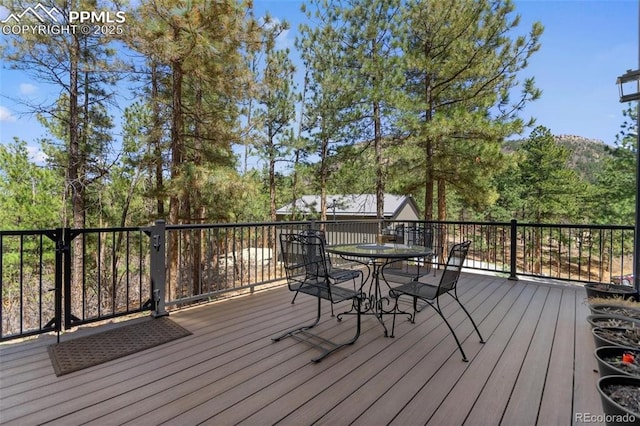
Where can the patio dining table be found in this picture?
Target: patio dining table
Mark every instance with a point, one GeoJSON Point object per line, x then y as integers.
{"type": "Point", "coordinates": [376, 257]}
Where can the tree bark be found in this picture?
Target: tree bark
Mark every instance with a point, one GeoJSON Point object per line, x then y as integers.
{"type": "Point", "coordinates": [442, 200]}
{"type": "Point", "coordinates": [379, 165]}
{"type": "Point", "coordinates": [428, 182]}
{"type": "Point", "coordinates": [74, 178]}
{"type": "Point", "coordinates": [156, 141]}
{"type": "Point", "coordinates": [323, 178]}
{"type": "Point", "coordinates": [175, 200]}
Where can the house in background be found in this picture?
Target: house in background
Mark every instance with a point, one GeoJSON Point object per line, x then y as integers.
{"type": "Point", "coordinates": [352, 207]}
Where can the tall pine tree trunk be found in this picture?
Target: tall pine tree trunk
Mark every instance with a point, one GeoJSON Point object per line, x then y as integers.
{"type": "Point", "coordinates": [379, 166]}
{"type": "Point", "coordinates": [442, 200]}
{"type": "Point", "coordinates": [272, 181]}
{"type": "Point", "coordinates": [156, 140]}
{"type": "Point", "coordinates": [428, 181]}
{"type": "Point", "coordinates": [175, 200]}
{"type": "Point", "coordinates": [74, 177]}
{"type": "Point", "coordinates": [429, 173]}
{"type": "Point", "coordinates": [323, 178]}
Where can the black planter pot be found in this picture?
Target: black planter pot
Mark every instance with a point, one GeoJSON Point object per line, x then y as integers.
{"type": "Point", "coordinates": [604, 341]}
{"type": "Point", "coordinates": [606, 368]}
{"type": "Point", "coordinates": [611, 309]}
{"type": "Point", "coordinates": [611, 320]}
{"type": "Point", "coordinates": [609, 291]}
{"type": "Point", "coordinates": [616, 414]}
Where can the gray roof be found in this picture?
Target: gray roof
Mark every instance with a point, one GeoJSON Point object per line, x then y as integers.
{"type": "Point", "coordinates": [345, 205]}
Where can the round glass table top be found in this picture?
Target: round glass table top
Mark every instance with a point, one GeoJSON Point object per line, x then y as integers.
{"type": "Point", "coordinates": [389, 250]}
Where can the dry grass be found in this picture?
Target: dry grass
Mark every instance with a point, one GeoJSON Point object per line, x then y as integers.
{"type": "Point", "coordinates": [614, 301]}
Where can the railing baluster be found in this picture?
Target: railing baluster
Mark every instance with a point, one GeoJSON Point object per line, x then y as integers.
{"type": "Point", "coordinates": [242, 256]}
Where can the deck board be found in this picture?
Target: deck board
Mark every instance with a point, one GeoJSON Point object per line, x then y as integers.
{"type": "Point", "coordinates": [410, 353]}
{"type": "Point", "coordinates": [536, 367]}
{"type": "Point", "coordinates": [413, 351]}
{"type": "Point", "coordinates": [558, 393]}
{"type": "Point", "coordinates": [525, 398]}
{"type": "Point", "coordinates": [425, 356]}
{"type": "Point", "coordinates": [462, 398]}
{"type": "Point", "coordinates": [503, 328]}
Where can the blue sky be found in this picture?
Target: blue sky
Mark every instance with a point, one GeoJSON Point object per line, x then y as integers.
{"type": "Point", "coordinates": [585, 46]}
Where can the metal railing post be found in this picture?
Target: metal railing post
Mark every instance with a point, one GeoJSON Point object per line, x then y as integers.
{"type": "Point", "coordinates": [65, 249]}
{"type": "Point", "coordinates": [158, 270]}
{"type": "Point", "coordinates": [59, 280]}
{"type": "Point", "coordinates": [513, 251]}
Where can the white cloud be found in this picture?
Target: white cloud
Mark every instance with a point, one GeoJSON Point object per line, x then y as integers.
{"type": "Point", "coordinates": [4, 12]}
{"type": "Point", "coordinates": [6, 115]}
{"type": "Point", "coordinates": [282, 41]}
{"type": "Point", "coordinates": [36, 155]}
{"type": "Point", "coordinates": [27, 89]}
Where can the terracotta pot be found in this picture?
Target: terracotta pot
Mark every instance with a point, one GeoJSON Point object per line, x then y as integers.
{"type": "Point", "coordinates": [616, 414]}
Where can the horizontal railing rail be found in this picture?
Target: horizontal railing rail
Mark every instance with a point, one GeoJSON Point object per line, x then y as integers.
{"type": "Point", "coordinates": [59, 278]}
{"type": "Point", "coordinates": [583, 253]}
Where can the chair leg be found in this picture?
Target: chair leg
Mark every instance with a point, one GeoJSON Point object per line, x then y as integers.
{"type": "Point", "coordinates": [299, 329]}
{"type": "Point", "coordinates": [470, 318]}
{"type": "Point", "coordinates": [393, 322]}
{"type": "Point", "coordinates": [336, 346]}
{"type": "Point", "coordinates": [396, 311]}
{"type": "Point", "coordinates": [453, 333]}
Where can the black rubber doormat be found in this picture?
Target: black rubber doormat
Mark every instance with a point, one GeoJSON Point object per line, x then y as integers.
{"type": "Point", "coordinates": [83, 352]}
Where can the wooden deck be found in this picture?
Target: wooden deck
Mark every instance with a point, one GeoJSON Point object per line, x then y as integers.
{"type": "Point", "coordinates": [537, 367]}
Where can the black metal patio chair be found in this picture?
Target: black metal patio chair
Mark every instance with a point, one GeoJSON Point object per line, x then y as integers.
{"type": "Point", "coordinates": [431, 293]}
{"type": "Point", "coordinates": [425, 236]}
{"type": "Point", "coordinates": [335, 275]}
{"type": "Point", "coordinates": [306, 267]}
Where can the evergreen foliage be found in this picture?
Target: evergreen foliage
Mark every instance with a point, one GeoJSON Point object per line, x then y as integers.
{"type": "Point", "coordinates": [615, 188]}
{"type": "Point", "coordinates": [409, 97]}
{"type": "Point", "coordinates": [30, 195]}
{"type": "Point", "coordinates": [551, 190]}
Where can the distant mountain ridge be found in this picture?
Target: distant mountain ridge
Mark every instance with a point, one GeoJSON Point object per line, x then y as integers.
{"type": "Point", "coordinates": [586, 153]}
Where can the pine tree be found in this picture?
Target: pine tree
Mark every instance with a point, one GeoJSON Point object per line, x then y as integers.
{"type": "Point", "coordinates": [276, 107]}
{"type": "Point", "coordinates": [615, 188]}
{"type": "Point", "coordinates": [356, 78]}
{"type": "Point", "coordinates": [84, 68]}
{"type": "Point", "coordinates": [461, 64]}
{"type": "Point", "coordinates": [30, 194]}
{"type": "Point", "coordinates": [549, 185]}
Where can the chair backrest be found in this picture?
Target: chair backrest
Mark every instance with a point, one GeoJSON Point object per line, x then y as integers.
{"type": "Point", "coordinates": [315, 232]}
{"type": "Point", "coordinates": [420, 236]}
{"type": "Point", "coordinates": [451, 273]}
{"type": "Point", "coordinates": [293, 260]}
{"type": "Point", "coordinates": [399, 231]}
{"type": "Point", "coordinates": [304, 258]}
{"type": "Point", "coordinates": [320, 234]}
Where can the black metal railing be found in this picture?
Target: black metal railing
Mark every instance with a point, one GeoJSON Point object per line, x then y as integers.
{"type": "Point", "coordinates": [584, 253]}
{"type": "Point", "coordinates": [59, 278]}
{"type": "Point", "coordinates": [63, 278]}
{"type": "Point", "coordinates": [28, 264]}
